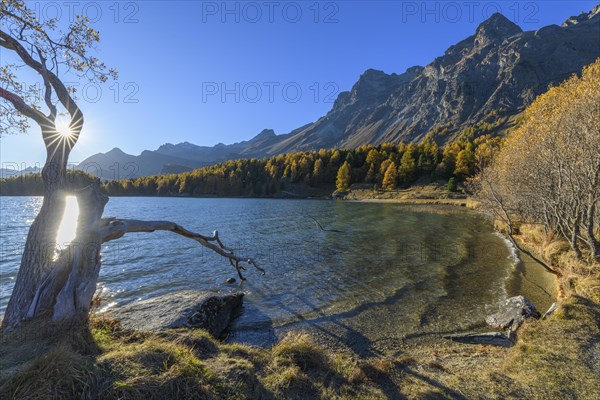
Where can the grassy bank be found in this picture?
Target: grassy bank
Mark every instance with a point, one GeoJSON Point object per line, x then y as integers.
{"type": "Point", "coordinates": [555, 358]}
{"type": "Point", "coordinates": [106, 362]}
{"type": "Point", "coordinates": [420, 193]}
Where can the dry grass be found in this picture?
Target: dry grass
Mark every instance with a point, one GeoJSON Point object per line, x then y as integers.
{"type": "Point", "coordinates": [560, 356]}
{"type": "Point", "coordinates": [106, 362]}
{"type": "Point", "coordinates": [579, 278]}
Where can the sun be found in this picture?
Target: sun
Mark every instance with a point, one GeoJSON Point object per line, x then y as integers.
{"type": "Point", "coordinates": [63, 127]}
{"type": "Point", "coordinates": [66, 132]}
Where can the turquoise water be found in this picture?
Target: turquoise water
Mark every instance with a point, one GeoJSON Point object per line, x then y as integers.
{"type": "Point", "coordinates": [393, 272]}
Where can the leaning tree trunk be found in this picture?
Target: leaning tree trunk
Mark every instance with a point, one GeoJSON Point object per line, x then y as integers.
{"type": "Point", "coordinates": [40, 259]}
{"type": "Point", "coordinates": [58, 284]}
{"type": "Point", "coordinates": [47, 272]}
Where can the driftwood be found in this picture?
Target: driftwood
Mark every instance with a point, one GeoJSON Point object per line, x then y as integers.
{"type": "Point", "coordinates": [113, 228]}
{"type": "Point", "coordinates": [550, 311]}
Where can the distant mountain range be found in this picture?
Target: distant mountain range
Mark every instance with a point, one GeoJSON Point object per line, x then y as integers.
{"type": "Point", "coordinates": [14, 172]}
{"type": "Point", "coordinates": [172, 158]}
{"type": "Point", "coordinates": [494, 73]}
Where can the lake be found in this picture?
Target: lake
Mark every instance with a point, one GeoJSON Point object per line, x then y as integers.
{"type": "Point", "coordinates": [393, 273]}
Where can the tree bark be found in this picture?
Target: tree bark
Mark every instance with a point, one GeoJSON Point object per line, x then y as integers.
{"type": "Point", "coordinates": [43, 265]}
{"type": "Point", "coordinates": [574, 237]}
{"type": "Point", "coordinates": [594, 244]}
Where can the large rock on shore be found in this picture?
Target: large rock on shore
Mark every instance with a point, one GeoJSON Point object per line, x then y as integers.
{"type": "Point", "coordinates": [512, 314]}
{"type": "Point", "coordinates": [188, 308]}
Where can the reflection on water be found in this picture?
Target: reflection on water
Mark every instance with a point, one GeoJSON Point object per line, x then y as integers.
{"type": "Point", "coordinates": [68, 225]}
{"type": "Point", "coordinates": [392, 272]}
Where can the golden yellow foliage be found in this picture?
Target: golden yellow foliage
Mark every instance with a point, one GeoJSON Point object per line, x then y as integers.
{"type": "Point", "coordinates": [548, 170]}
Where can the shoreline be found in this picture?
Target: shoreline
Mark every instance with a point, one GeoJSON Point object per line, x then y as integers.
{"type": "Point", "coordinates": [413, 368]}
{"type": "Point", "coordinates": [437, 195]}
{"type": "Point", "coordinates": [421, 192]}
{"type": "Point", "coordinates": [466, 203]}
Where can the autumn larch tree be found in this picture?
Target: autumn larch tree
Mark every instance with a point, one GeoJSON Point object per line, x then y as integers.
{"type": "Point", "coordinates": [390, 179]}
{"type": "Point", "coordinates": [53, 283]}
{"type": "Point", "coordinates": [408, 166]}
{"type": "Point", "coordinates": [342, 183]}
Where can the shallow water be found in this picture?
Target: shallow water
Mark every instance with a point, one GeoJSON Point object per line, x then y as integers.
{"type": "Point", "coordinates": [393, 273]}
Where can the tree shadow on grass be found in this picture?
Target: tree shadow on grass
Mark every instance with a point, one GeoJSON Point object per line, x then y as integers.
{"type": "Point", "coordinates": [333, 327]}
{"type": "Point", "coordinates": [447, 392]}
{"type": "Point", "coordinates": [338, 330]}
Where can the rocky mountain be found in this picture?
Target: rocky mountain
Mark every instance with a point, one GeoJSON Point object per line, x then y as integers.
{"type": "Point", "coordinates": [220, 152]}
{"type": "Point", "coordinates": [172, 158]}
{"type": "Point", "coordinates": [498, 69]}
{"type": "Point", "coordinates": [117, 164]}
{"type": "Point", "coordinates": [497, 72]}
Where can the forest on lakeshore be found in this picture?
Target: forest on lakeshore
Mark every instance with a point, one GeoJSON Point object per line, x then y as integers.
{"type": "Point", "coordinates": [386, 166]}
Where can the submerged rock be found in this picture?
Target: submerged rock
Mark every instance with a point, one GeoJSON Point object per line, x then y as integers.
{"type": "Point", "coordinates": [230, 280]}
{"type": "Point", "coordinates": [491, 338]}
{"type": "Point", "coordinates": [183, 309]}
{"type": "Point", "coordinates": [512, 314]}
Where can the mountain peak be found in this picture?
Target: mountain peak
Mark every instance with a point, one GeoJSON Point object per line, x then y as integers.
{"type": "Point", "coordinates": [115, 151]}
{"type": "Point", "coordinates": [187, 145]}
{"type": "Point", "coordinates": [497, 71]}
{"type": "Point", "coordinates": [372, 83]}
{"type": "Point", "coordinates": [371, 72]}
{"type": "Point", "coordinates": [496, 28]}
{"type": "Point", "coordinates": [265, 134]}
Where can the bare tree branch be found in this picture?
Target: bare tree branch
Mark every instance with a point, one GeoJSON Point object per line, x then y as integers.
{"type": "Point", "coordinates": [48, 87]}
{"type": "Point", "coordinates": [38, 28]}
{"type": "Point", "coordinates": [22, 107]}
{"type": "Point", "coordinates": [115, 228]}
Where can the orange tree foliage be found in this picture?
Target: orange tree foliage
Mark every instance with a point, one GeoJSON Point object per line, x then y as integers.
{"type": "Point", "coordinates": [548, 169]}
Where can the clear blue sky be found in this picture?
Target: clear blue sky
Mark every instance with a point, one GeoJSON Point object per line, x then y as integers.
{"type": "Point", "coordinates": [175, 57]}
